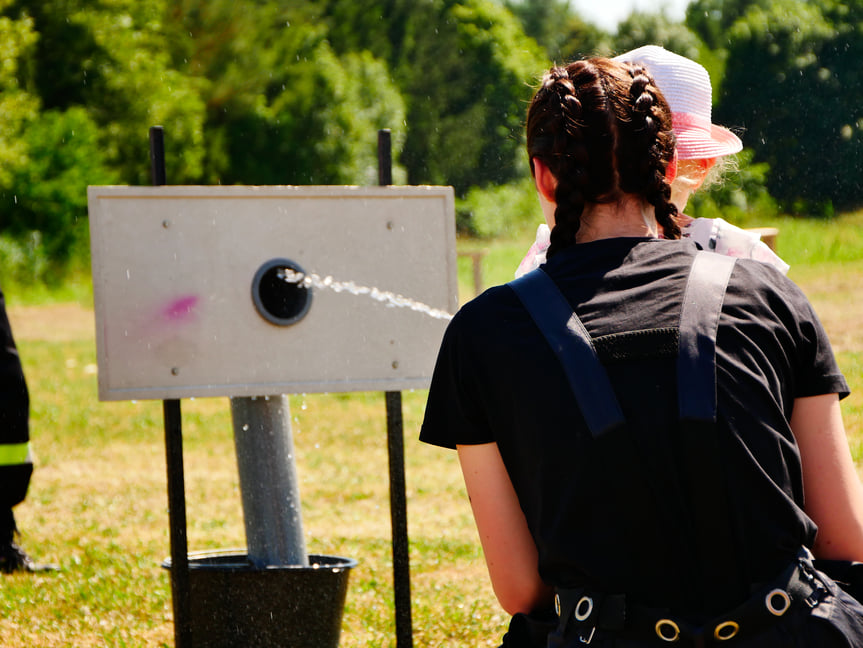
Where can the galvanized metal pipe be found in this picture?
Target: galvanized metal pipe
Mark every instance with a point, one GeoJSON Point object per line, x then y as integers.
{"type": "Point", "coordinates": [268, 481]}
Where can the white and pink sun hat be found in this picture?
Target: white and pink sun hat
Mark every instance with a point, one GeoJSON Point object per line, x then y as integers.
{"type": "Point", "coordinates": [686, 87]}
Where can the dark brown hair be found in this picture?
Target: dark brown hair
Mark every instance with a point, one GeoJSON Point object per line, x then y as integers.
{"type": "Point", "coordinates": [603, 129]}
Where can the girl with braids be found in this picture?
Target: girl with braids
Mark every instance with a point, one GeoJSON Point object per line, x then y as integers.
{"type": "Point", "coordinates": [702, 147]}
{"type": "Point", "coordinates": [638, 421]}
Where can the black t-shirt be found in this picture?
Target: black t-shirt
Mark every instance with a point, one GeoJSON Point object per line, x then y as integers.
{"type": "Point", "coordinates": [497, 380]}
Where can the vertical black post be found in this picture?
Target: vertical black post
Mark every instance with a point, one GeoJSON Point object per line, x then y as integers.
{"type": "Point", "coordinates": [157, 156]}
{"type": "Point", "coordinates": [180, 589]}
{"type": "Point", "coordinates": [396, 450]}
{"type": "Point", "coordinates": [385, 158]}
{"type": "Point", "coordinates": [399, 517]}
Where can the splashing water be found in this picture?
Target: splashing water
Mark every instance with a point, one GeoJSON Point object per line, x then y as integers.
{"type": "Point", "coordinates": [389, 298]}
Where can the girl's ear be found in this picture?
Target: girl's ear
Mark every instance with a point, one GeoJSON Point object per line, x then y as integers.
{"type": "Point", "coordinates": [671, 169]}
{"type": "Point", "coordinates": [544, 179]}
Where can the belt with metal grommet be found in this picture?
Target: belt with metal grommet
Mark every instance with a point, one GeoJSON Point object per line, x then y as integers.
{"type": "Point", "coordinates": [726, 630]}
{"type": "Point", "coordinates": [667, 630]}
{"type": "Point", "coordinates": [777, 602]}
{"type": "Point", "coordinates": [582, 611]}
{"type": "Point", "coordinates": [583, 608]}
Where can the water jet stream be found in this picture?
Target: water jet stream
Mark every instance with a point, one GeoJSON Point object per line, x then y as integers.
{"type": "Point", "coordinates": [389, 298]}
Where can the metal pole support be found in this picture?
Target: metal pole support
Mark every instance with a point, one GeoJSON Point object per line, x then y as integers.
{"type": "Point", "coordinates": [180, 587]}
{"type": "Point", "coordinates": [396, 451]}
{"type": "Point", "coordinates": [268, 481]}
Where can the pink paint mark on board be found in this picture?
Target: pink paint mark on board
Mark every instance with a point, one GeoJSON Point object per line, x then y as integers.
{"type": "Point", "coordinates": [180, 309]}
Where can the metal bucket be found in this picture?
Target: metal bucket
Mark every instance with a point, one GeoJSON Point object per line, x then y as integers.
{"type": "Point", "coordinates": [234, 603]}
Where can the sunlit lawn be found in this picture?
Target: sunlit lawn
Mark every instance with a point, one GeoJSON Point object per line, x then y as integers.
{"type": "Point", "coordinates": [98, 503]}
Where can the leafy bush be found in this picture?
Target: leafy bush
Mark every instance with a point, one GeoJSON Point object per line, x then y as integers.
{"type": "Point", "coordinates": [792, 80]}
{"type": "Point", "coordinates": [23, 260]}
{"type": "Point", "coordinates": [45, 205]}
{"type": "Point", "coordinates": [739, 195]}
{"type": "Point", "coordinates": [501, 210]}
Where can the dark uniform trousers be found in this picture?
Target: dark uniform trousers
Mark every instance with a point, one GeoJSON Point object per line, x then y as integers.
{"type": "Point", "coordinates": [15, 463]}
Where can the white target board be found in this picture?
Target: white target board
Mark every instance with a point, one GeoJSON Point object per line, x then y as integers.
{"type": "Point", "coordinates": [256, 291]}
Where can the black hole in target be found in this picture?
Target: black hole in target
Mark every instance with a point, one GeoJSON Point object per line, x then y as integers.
{"type": "Point", "coordinates": [279, 299]}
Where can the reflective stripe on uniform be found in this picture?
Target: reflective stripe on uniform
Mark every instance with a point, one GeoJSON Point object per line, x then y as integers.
{"type": "Point", "coordinates": [14, 454]}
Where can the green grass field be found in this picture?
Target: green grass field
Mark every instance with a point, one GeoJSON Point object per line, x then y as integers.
{"type": "Point", "coordinates": [98, 503]}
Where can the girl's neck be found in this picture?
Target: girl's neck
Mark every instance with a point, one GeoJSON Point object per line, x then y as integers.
{"type": "Point", "coordinates": [629, 216]}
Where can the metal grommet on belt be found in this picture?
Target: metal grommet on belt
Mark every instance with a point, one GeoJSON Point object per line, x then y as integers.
{"type": "Point", "coordinates": [777, 596]}
{"type": "Point", "coordinates": [726, 630]}
{"type": "Point", "coordinates": [583, 608]}
{"type": "Point", "coordinates": [557, 604]}
{"type": "Point", "coordinates": [667, 630]}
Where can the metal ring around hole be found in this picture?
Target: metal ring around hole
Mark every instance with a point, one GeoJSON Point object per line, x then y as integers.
{"type": "Point", "coordinates": [557, 604]}
{"type": "Point", "coordinates": [783, 596]}
{"type": "Point", "coordinates": [662, 623]}
{"type": "Point", "coordinates": [726, 630]}
{"type": "Point", "coordinates": [579, 615]}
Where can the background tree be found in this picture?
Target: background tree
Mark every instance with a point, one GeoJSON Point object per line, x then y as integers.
{"type": "Point", "coordinates": [559, 30]}
{"type": "Point", "coordinates": [712, 19]}
{"type": "Point", "coordinates": [18, 109]}
{"type": "Point", "coordinates": [98, 75]}
{"type": "Point", "coordinates": [113, 60]}
{"type": "Point", "coordinates": [47, 158]}
{"type": "Point", "coordinates": [320, 128]}
{"type": "Point", "coordinates": [464, 68]}
{"type": "Point", "coordinates": [17, 106]}
{"type": "Point", "coordinates": [641, 28]}
{"type": "Point", "coordinates": [798, 105]}
{"type": "Point", "coordinates": [49, 209]}
{"type": "Point", "coordinates": [272, 92]}
{"type": "Point", "coordinates": [281, 108]}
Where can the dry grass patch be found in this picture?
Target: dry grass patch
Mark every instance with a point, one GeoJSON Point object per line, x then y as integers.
{"type": "Point", "coordinates": [98, 503]}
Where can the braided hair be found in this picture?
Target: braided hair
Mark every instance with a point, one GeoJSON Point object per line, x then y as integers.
{"type": "Point", "coordinates": [603, 129]}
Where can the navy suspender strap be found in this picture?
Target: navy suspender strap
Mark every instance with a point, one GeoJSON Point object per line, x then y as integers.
{"type": "Point", "coordinates": [703, 463]}
{"type": "Point", "coordinates": [696, 364]}
{"type": "Point", "coordinates": [699, 321]}
{"type": "Point", "coordinates": [573, 346]}
{"type": "Point", "coordinates": [696, 378]}
{"type": "Point", "coordinates": [613, 445]}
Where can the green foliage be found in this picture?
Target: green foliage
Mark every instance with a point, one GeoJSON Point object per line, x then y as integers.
{"type": "Point", "coordinates": [562, 34]}
{"type": "Point", "coordinates": [799, 105]}
{"type": "Point", "coordinates": [502, 210]}
{"type": "Point", "coordinates": [463, 68]}
{"type": "Point", "coordinates": [272, 92]}
{"type": "Point", "coordinates": [113, 59]}
{"type": "Point", "coordinates": [467, 86]}
{"type": "Point", "coordinates": [738, 195]}
{"type": "Point", "coordinates": [712, 19]}
{"type": "Point", "coordinates": [23, 259]}
{"type": "Point", "coordinates": [96, 78]}
{"type": "Point", "coordinates": [17, 106]}
{"type": "Point", "coordinates": [641, 28]}
{"type": "Point", "coordinates": [296, 138]}
{"type": "Point", "coordinates": [48, 194]}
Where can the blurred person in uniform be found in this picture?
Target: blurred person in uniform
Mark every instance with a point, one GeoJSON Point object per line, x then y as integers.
{"type": "Point", "coordinates": [16, 464]}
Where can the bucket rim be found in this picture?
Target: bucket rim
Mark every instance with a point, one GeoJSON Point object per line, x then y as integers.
{"type": "Point", "coordinates": [197, 561]}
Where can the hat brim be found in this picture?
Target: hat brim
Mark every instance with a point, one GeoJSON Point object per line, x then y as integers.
{"type": "Point", "coordinates": [695, 144]}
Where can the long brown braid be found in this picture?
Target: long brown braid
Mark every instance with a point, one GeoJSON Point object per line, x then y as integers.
{"type": "Point", "coordinates": [603, 129]}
